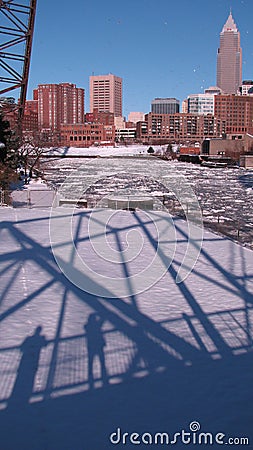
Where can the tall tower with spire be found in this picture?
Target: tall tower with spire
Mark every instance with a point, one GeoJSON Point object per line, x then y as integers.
{"type": "Point", "coordinates": [229, 59]}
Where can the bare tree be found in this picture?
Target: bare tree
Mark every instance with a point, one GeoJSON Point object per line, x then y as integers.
{"type": "Point", "coordinates": [32, 149]}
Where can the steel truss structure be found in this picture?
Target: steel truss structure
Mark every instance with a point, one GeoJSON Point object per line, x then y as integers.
{"type": "Point", "coordinates": [16, 31]}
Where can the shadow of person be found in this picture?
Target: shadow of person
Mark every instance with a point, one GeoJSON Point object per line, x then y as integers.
{"type": "Point", "coordinates": [95, 346]}
{"type": "Point", "coordinates": [28, 366]}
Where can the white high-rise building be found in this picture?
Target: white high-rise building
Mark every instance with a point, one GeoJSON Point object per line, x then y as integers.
{"type": "Point", "coordinates": [201, 104]}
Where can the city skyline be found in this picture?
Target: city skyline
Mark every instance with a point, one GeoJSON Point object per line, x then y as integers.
{"type": "Point", "coordinates": [162, 50]}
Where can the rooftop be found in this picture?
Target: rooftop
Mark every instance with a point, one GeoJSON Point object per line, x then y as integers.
{"type": "Point", "coordinates": [230, 24]}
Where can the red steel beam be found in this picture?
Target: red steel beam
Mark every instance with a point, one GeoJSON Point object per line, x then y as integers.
{"type": "Point", "coordinates": [20, 20]}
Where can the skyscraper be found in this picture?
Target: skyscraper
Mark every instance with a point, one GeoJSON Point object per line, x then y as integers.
{"type": "Point", "coordinates": [106, 94]}
{"type": "Point", "coordinates": [229, 59]}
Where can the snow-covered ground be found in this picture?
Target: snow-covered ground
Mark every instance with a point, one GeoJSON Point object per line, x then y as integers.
{"type": "Point", "coordinates": [118, 150]}
{"type": "Point", "coordinates": [172, 354]}
{"type": "Point", "coordinates": [36, 194]}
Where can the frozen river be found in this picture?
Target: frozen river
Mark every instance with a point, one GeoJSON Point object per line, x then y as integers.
{"type": "Point", "coordinates": [225, 195]}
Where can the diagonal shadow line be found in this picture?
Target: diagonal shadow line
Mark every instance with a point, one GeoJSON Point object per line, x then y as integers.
{"type": "Point", "coordinates": [247, 312]}
{"type": "Point", "coordinates": [246, 330]}
{"type": "Point", "coordinates": [38, 219]}
{"type": "Point", "coordinates": [23, 239]}
{"type": "Point", "coordinates": [240, 288]}
{"type": "Point", "coordinates": [28, 254]}
{"type": "Point", "coordinates": [9, 284]}
{"type": "Point", "coordinates": [243, 265]}
{"type": "Point", "coordinates": [195, 333]}
{"type": "Point", "coordinates": [30, 297]}
{"type": "Point", "coordinates": [231, 328]}
{"type": "Point", "coordinates": [125, 270]}
{"type": "Point", "coordinates": [9, 266]}
{"type": "Point", "coordinates": [209, 279]}
{"type": "Point", "coordinates": [181, 346]}
{"type": "Point", "coordinates": [76, 238]}
{"type": "Point", "coordinates": [53, 364]}
{"type": "Point", "coordinates": [208, 326]}
{"type": "Point", "coordinates": [14, 256]}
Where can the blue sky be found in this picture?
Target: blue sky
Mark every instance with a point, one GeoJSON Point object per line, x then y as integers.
{"type": "Point", "coordinates": [160, 48]}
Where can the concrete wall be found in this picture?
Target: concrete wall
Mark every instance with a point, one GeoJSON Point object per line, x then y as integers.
{"type": "Point", "coordinates": [246, 161]}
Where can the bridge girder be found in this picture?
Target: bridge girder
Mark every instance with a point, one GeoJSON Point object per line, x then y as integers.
{"type": "Point", "coordinates": [15, 47]}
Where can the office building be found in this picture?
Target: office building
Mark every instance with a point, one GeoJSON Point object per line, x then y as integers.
{"type": "Point", "coordinates": [106, 94]}
{"type": "Point", "coordinates": [236, 111]}
{"type": "Point", "coordinates": [229, 59]}
{"type": "Point", "coordinates": [165, 106]}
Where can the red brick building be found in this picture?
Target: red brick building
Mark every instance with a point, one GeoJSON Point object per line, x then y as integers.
{"type": "Point", "coordinates": [31, 105]}
{"type": "Point", "coordinates": [236, 111]}
{"type": "Point", "coordinates": [30, 119]}
{"type": "Point", "coordinates": [87, 134]}
{"type": "Point", "coordinates": [30, 122]}
{"type": "Point", "coordinates": [59, 104]}
{"type": "Point", "coordinates": [180, 127]}
{"type": "Point", "coordinates": [106, 118]}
